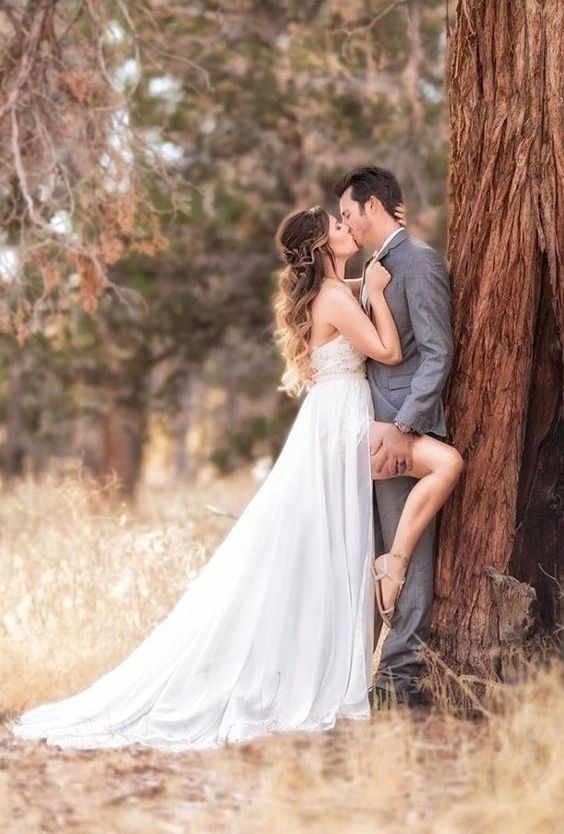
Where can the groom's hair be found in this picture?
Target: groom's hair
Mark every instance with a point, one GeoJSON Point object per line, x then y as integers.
{"type": "Point", "coordinates": [370, 181]}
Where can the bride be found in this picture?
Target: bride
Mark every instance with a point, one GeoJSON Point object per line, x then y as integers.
{"type": "Point", "coordinates": [276, 632]}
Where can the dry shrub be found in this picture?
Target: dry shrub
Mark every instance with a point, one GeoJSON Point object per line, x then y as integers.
{"type": "Point", "coordinates": [516, 776]}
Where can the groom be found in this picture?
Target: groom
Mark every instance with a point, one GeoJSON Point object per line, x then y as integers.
{"type": "Point", "coordinates": [408, 396]}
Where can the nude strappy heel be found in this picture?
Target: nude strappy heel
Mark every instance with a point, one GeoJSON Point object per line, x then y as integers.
{"type": "Point", "coordinates": [379, 569]}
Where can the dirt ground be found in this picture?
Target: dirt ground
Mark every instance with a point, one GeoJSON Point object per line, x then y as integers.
{"type": "Point", "coordinates": [284, 783]}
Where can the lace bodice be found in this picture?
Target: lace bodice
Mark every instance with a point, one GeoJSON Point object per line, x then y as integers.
{"type": "Point", "coordinates": [337, 357]}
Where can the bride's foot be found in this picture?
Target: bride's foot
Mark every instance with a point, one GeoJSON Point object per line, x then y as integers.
{"type": "Point", "coordinates": [388, 582]}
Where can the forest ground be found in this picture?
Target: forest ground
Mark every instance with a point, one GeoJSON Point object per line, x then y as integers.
{"type": "Point", "coordinates": [70, 561]}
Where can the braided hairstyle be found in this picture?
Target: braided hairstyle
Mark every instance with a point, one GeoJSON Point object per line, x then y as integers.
{"type": "Point", "coordinates": [302, 240]}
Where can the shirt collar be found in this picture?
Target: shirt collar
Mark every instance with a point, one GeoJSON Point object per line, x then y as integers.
{"type": "Point", "coordinates": [388, 239]}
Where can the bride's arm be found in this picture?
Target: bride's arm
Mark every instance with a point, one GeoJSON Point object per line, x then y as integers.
{"type": "Point", "coordinates": [346, 315]}
{"type": "Point", "coordinates": [383, 319]}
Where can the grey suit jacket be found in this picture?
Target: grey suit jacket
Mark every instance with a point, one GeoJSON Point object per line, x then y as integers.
{"type": "Point", "coordinates": [419, 298]}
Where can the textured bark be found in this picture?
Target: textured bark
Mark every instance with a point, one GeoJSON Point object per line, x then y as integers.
{"type": "Point", "coordinates": [504, 403]}
{"type": "Point", "coordinates": [513, 604]}
{"type": "Point", "coordinates": [538, 552]}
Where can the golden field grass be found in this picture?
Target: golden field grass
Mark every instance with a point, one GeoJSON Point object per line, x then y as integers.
{"type": "Point", "coordinates": [83, 582]}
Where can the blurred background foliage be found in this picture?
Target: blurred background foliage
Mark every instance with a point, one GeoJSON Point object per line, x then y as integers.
{"type": "Point", "coordinates": [239, 113]}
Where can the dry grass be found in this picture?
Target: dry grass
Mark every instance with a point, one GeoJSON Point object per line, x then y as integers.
{"type": "Point", "coordinates": [83, 581]}
{"type": "Point", "coordinates": [82, 585]}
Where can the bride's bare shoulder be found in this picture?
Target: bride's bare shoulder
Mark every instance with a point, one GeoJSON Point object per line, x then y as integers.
{"type": "Point", "coordinates": [332, 292]}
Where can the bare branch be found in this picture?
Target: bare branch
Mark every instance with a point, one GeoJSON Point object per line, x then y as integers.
{"type": "Point", "coordinates": [29, 55]}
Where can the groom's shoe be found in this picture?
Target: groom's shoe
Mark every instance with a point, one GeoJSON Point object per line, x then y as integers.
{"type": "Point", "coordinates": [381, 699]}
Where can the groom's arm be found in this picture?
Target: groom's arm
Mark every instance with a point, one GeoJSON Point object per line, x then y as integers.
{"type": "Point", "coordinates": [427, 289]}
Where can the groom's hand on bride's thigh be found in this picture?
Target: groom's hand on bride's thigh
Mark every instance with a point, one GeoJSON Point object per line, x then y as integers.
{"type": "Point", "coordinates": [393, 456]}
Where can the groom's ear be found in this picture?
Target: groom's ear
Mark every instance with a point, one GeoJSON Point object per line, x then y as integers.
{"type": "Point", "coordinates": [376, 206]}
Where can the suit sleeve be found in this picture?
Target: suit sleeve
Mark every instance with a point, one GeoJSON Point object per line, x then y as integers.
{"type": "Point", "coordinates": [427, 289]}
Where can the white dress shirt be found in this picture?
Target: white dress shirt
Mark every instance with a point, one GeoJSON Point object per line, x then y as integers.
{"type": "Point", "coordinates": [374, 257]}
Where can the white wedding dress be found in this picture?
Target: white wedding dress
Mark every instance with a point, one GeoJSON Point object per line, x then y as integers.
{"type": "Point", "coordinates": [276, 632]}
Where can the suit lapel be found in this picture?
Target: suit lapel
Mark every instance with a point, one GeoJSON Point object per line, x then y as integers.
{"type": "Point", "coordinates": [395, 241]}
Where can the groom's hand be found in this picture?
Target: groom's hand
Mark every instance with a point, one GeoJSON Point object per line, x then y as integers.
{"type": "Point", "coordinates": [394, 455]}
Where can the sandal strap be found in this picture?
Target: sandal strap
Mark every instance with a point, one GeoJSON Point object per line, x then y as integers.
{"type": "Point", "coordinates": [383, 573]}
{"type": "Point", "coordinates": [380, 572]}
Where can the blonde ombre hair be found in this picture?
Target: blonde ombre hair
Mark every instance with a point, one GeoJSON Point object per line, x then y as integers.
{"type": "Point", "coordinates": [303, 240]}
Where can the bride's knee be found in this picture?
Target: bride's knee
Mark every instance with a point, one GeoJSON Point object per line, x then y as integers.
{"type": "Point", "coordinates": [453, 463]}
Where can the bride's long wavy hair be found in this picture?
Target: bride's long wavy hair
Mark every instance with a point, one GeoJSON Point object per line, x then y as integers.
{"type": "Point", "coordinates": [302, 240]}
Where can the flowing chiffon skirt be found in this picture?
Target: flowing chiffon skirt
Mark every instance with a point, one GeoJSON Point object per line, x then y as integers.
{"type": "Point", "coordinates": [276, 632]}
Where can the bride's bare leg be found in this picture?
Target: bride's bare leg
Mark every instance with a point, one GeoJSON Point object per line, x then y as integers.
{"type": "Point", "coordinates": [437, 466]}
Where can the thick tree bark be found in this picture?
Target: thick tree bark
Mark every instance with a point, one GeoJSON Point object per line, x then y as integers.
{"type": "Point", "coordinates": [504, 403]}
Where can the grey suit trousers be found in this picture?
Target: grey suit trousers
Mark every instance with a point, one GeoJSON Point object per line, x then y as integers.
{"type": "Point", "coordinates": [419, 298]}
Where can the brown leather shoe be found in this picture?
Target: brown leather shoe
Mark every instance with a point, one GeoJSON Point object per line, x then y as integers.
{"type": "Point", "coordinates": [381, 699]}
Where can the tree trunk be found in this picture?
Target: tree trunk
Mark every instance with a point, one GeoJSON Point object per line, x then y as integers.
{"type": "Point", "coordinates": [180, 425]}
{"type": "Point", "coordinates": [123, 437]}
{"type": "Point", "coordinates": [412, 157]}
{"type": "Point", "coordinates": [504, 402]}
{"type": "Point", "coordinates": [15, 446]}
{"type": "Point", "coordinates": [539, 543]}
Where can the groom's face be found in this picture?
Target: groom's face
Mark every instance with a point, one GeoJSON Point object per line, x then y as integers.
{"type": "Point", "coordinates": [356, 217]}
